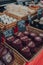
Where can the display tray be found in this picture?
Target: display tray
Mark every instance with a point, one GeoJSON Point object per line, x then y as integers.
{"type": "Point", "coordinates": [25, 17]}
{"type": "Point", "coordinates": [16, 16]}
{"type": "Point", "coordinates": [7, 26]}
{"type": "Point", "coordinates": [38, 49]}
{"type": "Point", "coordinates": [20, 11]}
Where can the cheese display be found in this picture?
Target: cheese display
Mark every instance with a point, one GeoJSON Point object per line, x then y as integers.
{"type": "Point", "coordinates": [7, 21]}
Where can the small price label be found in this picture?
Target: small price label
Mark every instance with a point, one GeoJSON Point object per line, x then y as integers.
{"type": "Point", "coordinates": [8, 33]}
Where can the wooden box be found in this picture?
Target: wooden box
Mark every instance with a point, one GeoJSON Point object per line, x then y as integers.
{"type": "Point", "coordinates": [7, 26]}
{"type": "Point", "coordinates": [21, 58]}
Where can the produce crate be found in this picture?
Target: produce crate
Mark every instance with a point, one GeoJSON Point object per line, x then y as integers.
{"type": "Point", "coordinates": [7, 26]}
{"type": "Point", "coordinates": [19, 54]}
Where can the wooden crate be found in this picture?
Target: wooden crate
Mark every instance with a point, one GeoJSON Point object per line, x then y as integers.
{"type": "Point", "coordinates": [7, 26]}
{"type": "Point", "coordinates": [21, 59]}
{"type": "Point", "coordinates": [25, 17]}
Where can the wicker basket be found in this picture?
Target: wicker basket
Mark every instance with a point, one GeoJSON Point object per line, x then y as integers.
{"type": "Point", "coordinates": [21, 59]}
{"type": "Point", "coordinates": [7, 26]}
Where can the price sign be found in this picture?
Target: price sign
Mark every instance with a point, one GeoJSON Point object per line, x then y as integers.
{"type": "Point", "coordinates": [8, 33]}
